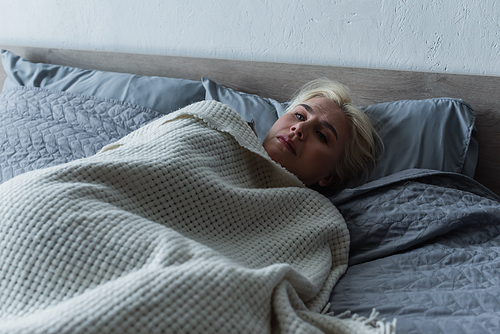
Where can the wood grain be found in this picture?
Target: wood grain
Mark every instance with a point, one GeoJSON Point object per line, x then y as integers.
{"type": "Point", "coordinates": [281, 80]}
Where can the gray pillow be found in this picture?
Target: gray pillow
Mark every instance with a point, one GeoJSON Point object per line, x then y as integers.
{"type": "Point", "coordinates": [263, 111]}
{"type": "Point", "coordinates": [434, 134]}
{"type": "Point", "coordinates": [158, 93]}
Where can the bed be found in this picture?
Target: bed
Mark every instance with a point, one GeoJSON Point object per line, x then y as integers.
{"type": "Point", "coordinates": [423, 227]}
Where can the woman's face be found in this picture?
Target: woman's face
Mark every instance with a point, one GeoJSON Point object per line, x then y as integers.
{"type": "Point", "coordinates": [309, 140]}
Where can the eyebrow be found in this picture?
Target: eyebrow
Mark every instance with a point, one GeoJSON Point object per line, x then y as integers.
{"type": "Point", "coordinates": [325, 123]}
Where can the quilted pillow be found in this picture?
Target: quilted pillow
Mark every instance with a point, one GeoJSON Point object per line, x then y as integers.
{"type": "Point", "coordinates": [157, 93]}
{"type": "Point", "coordinates": [41, 128]}
{"type": "Point", "coordinates": [434, 134]}
{"type": "Point", "coordinates": [263, 111]}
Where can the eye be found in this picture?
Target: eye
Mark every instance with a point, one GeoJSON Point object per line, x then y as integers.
{"type": "Point", "coordinates": [300, 117]}
{"type": "Point", "coordinates": [321, 136]}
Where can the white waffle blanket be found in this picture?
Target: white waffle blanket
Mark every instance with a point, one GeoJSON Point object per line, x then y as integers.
{"type": "Point", "coordinates": [183, 226]}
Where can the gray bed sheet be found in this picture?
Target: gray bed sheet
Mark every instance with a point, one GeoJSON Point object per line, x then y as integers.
{"type": "Point", "coordinates": [425, 250]}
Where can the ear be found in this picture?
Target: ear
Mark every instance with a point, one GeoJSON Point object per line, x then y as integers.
{"type": "Point", "coordinates": [328, 180]}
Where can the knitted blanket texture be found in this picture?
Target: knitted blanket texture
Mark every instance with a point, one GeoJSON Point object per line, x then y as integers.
{"type": "Point", "coordinates": [183, 226]}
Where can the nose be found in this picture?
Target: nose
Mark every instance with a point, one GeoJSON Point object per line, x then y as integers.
{"type": "Point", "coordinates": [298, 130]}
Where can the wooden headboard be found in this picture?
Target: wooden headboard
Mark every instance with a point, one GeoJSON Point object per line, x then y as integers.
{"type": "Point", "coordinates": [281, 80]}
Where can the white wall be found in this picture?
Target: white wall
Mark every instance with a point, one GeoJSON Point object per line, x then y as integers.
{"type": "Point", "coordinates": [460, 36]}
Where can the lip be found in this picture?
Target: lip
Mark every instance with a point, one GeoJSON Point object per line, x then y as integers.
{"type": "Point", "coordinates": [287, 142]}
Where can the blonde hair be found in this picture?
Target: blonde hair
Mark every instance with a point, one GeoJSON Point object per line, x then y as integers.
{"type": "Point", "coordinates": [360, 151]}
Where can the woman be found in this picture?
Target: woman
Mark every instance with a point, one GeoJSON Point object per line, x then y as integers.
{"type": "Point", "coordinates": [323, 138]}
{"type": "Point", "coordinates": [186, 225]}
